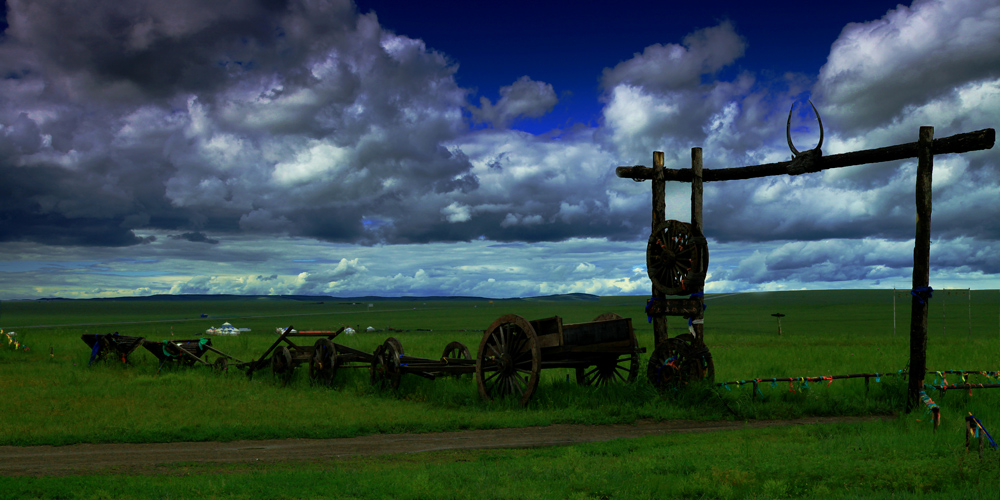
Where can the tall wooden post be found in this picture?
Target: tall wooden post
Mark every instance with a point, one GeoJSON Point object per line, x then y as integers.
{"type": "Point", "coordinates": [921, 268]}
{"type": "Point", "coordinates": [696, 223]}
{"type": "Point", "coordinates": [660, 333]}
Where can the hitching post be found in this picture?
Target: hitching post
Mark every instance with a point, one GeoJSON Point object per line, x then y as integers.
{"type": "Point", "coordinates": [921, 268]}
{"type": "Point", "coordinates": [696, 223]}
{"type": "Point", "coordinates": [660, 333]}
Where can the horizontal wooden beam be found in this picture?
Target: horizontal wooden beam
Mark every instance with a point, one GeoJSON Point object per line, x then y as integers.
{"type": "Point", "coordinates": [959, 143]}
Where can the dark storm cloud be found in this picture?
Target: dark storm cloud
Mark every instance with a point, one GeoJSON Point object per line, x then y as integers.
{"type": "Point", "coordinates": [254, 116]}
{"type": "Point", "coordinates": [305, 119]}
{"type": "Point", "coordinates": [195, 237]}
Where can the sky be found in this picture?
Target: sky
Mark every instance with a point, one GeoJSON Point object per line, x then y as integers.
{"type": "Point", "coordinates": [330, 147]}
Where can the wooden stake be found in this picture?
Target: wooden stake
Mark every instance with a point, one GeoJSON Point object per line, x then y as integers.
{"type": "Point", "coordinates": [660, 333]}
{"type": "Point", "coordinates": [696, 224]}
{"type": "Point", "coordinates": [921, 267]}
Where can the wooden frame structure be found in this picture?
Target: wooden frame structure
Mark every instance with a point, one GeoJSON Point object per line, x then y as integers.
{"type": "Point", "coordinates": [924, 150]}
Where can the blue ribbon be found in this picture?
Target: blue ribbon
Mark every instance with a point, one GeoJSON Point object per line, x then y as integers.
{"type": "Point", "coordinates": [921, 292]}
{"type": "Point", "coordinates": [97, 347]}
{"type": "Point", "coordinates": [649, 304]}
{"type": "Point", "coordinates": [703, 305]}
{"type": "Point", "coordinates": [980, 424]}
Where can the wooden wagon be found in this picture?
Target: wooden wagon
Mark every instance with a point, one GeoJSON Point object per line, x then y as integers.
{"type": "Point", "coordinates": [513, 351]}
{"type": "Point", "coordinates": [110, 346]}
{"type": "Point", "coordinates": [324, 357]}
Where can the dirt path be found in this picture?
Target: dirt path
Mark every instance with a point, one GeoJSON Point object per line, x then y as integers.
{"type": "Point", "coordinates": [137, 458]}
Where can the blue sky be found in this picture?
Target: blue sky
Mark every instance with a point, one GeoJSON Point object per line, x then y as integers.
{"type": "Point", "coordinates": [461, 148]}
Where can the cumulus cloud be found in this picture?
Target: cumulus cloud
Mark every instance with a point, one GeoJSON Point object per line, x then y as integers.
{"type": "Point", "coordinates": [305, 122]}
{"type": "Point", "coordinates": [677, 66]}
{"type": "Point", "coordinates": [252, 117]}
{"type": "Point", "coordinates": [877, 70]}
{"type": "Point", "coordinates": [524, 98]}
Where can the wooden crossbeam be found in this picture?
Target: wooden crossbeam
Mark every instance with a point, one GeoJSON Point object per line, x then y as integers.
{"type": "Point", "coordinates": [959, 143]}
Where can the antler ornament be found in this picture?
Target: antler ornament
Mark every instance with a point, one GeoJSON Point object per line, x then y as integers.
{"type": "Point", "coordinates": [805, 161]}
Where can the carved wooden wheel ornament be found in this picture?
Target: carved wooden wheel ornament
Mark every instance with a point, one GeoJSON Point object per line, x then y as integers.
{"type": "Point", "coordinates": [676, 258]}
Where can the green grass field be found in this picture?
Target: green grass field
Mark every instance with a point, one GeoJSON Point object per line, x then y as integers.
{"type": "Point", "coordinates": [58, 399]}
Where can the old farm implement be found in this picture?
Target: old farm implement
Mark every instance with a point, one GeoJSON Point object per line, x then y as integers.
{"type": "Point", "coordinates": [511, 355]}
{"type": "Point", "coordinates": [111, 346]}
{"type": "Point", "coordinates": [389, 363]}
{"type": "Point", "coordinates": [190, 352]}
{"type": "Point", "coordinates": [324, 357]}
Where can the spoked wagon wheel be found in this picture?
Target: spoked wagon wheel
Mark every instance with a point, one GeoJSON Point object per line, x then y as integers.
{"type": "Point", "coordinates": [609, 370]}
{"type": "Point", "coordinates": [385, 369]}
{"type": "Point", "coordinates": [510, 351]}
{"type": "Point", "coordinates": [679, 361]}
{"type": "Point", "coordinates": [323, 363]}
{"type": "Point", "coordinates": [281, 364]}
{"type": "Point", "coordinates": [456, 350]}
{"type": "Point", "coordinates": [395, 343]}
{"type": "Point", "coordinates": [220, 365]}
{"type": "Point", "coordinates": [676, 258]}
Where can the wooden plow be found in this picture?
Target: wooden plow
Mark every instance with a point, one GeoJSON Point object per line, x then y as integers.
{"type": "Point", "coordinates": [111, 346]}
{"type": "Point", "coordinates": [190, 352]}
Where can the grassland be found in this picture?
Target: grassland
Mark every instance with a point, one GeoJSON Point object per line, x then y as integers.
{"type": "Point", "coordinates": [57, 399]}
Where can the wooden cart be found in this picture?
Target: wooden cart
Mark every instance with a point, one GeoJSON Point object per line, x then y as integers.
{"type": "Point", "coordinates": [111, 346]}
{"type": "Point", "coordinates": [513, 351]}
{"type": "Point", "coordinates": [389, 362]}
{"type": "Point", "coordinates": [324, 357]}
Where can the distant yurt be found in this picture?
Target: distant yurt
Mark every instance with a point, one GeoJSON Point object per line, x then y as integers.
{"type": "Point", "coordinates": [225, 329]}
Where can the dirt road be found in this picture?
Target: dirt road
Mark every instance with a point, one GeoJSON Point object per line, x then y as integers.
{"type": "Point", "coordinates": [139, 458]}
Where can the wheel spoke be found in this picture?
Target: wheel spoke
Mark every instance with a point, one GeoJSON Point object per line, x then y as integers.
{"type": "Point", "coordinates": [520, 385]}
{"type": "Point", "coordinates": [496, 338]}
{"type": "Point", "coordinates": [494, 349]}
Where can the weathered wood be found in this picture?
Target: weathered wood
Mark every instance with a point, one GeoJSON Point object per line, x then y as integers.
{"type": "Point", "coordinates": [697, 326]}
{"type": "Point", "coordinates": [959, 143]}
{"type": "Point", "coordinates": [921, 268]}
{"type": "Point", "coordinates": [660, 333]}
{"type": "Point", "coordinates": [674, 307]}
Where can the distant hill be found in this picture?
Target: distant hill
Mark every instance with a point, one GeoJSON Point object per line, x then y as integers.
{"type": "Point", "coordinates": [569, 297]}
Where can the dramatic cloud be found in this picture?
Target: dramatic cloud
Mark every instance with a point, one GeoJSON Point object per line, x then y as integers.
{"type": "Point", "coordinates": [524, 98]}
{"type": "Point", "coordinates": [882, 69]}
{"type": "Point", "coordinates": [253, 117]}
{"type": "Point", "coordinates": [300, 147]}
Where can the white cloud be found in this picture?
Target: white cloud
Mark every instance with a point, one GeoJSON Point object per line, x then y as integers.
{"type": "Point", "coordinates": [672, 66]}
{"type": "Point", "coordinates": [525, 98]}
{"type": "Point", "coordinates": [877, 69]}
